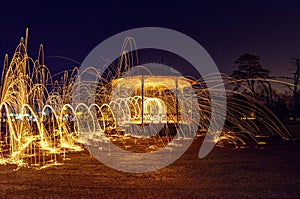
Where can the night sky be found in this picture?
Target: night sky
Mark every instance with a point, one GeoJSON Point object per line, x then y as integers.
{"type": "Point", "coordinates": [226, 29]}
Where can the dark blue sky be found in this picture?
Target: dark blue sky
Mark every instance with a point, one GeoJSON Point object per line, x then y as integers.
{"type": "Point", "coordinates": [225, 28]}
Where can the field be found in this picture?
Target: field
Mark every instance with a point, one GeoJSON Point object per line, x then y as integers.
{"type": "Point", "coordinates": [269, 172]}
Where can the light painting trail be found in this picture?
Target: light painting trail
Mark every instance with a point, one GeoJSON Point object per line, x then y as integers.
{"type": "Point", "coordinates": [39, 125]}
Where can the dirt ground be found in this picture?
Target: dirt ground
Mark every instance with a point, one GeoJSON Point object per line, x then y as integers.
{"type": "Point", "coordinates": [271, 172]}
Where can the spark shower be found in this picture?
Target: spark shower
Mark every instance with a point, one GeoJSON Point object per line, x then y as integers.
{"type": "Point", "coordinates": [40, 125]}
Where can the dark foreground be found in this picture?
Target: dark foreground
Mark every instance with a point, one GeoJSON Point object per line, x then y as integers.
{"type": "Point", "coordinates": [272, 172]}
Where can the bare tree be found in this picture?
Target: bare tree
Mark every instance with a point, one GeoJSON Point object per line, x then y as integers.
{"type": "Point", "coordinates": [296, 75]}
{"type": "Point", "coordinates": [295, 80]}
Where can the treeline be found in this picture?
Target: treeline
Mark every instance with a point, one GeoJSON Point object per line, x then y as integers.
{"type": "Point", "coordinates": [253, 80]}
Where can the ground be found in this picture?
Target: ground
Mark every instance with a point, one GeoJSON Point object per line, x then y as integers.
{"type": "Point", "coordinates": [269, 172]}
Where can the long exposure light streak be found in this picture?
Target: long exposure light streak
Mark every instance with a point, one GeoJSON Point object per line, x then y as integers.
{"type": "Point", "coordinates": [39, 125]}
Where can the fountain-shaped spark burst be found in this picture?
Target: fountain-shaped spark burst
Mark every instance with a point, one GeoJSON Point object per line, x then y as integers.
{"type": "Point", "coordinates": [36, 121]}
{"type": "Point", "coordinates": [137, 111]}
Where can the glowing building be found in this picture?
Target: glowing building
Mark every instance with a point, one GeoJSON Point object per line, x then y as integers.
{"type": "Point", "coordinates": [148, 98]}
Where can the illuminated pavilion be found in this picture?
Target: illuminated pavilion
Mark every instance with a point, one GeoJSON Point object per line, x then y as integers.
{"type": "Point", "coordinates": [157, 95]}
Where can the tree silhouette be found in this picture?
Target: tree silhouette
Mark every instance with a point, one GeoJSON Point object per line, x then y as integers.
{"type": "Point", "coordinates": [295, 79]}
{"type": "Point", "coordinates": [251, 71]}
{"type": "Point", "coordinates": [296, 75]}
